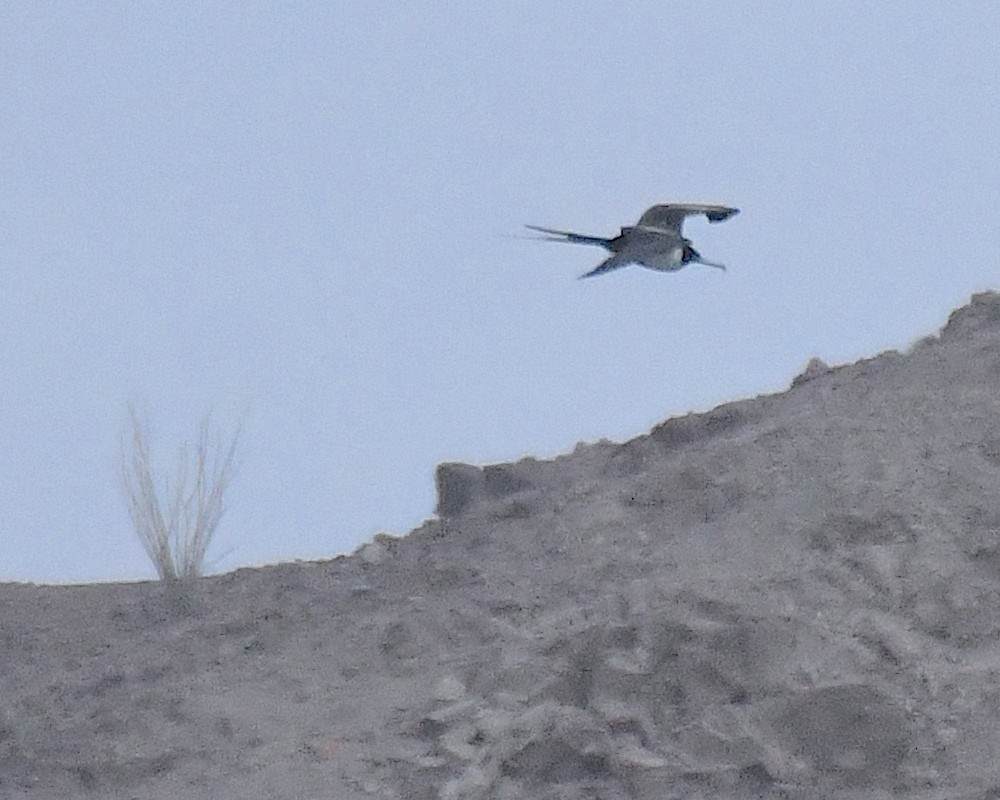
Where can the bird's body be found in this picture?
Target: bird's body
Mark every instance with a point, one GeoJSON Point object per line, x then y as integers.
{"type": "Point", "coordinates": [654, 242]}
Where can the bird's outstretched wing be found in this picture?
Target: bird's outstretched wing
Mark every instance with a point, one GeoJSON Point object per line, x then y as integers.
{"type": "Point", "coordinates": [615, 262]}
{"type": "Point", "coordinates": [669, 217]}
{"type": "Point", "coordinates": [575, 238]}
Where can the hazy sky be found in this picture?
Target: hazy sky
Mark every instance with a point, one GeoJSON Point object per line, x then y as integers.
{"type": "Point", "coordinates": [309, 216]}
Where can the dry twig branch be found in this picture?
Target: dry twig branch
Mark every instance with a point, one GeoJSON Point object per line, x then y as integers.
{"type": "Point", "coordinates": [176, 528]}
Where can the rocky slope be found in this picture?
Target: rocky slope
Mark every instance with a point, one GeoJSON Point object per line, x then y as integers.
{"type": "Point", "coordinates": [794, 596]}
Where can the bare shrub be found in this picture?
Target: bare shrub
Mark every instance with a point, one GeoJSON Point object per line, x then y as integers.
{"type": "Point", "coordinates": [177, 526]}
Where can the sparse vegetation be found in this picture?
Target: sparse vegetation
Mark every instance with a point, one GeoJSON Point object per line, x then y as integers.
{"type": "Point", "coordinates": [177, 526]}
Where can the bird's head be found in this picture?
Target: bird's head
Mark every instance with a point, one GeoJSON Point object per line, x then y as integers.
{"type": "Point", "coordinates": [692, 256]}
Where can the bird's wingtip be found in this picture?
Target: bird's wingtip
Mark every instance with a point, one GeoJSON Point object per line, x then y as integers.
{"type": "Point", "coordinates": [724, 214]}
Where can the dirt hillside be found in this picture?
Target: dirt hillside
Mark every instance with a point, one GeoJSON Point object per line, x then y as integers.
{"type": "Point", "coordinates": [793, 596]}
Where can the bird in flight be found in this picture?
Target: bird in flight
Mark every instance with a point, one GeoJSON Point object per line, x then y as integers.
{"type": "Point", "coordinates": [654, 242]}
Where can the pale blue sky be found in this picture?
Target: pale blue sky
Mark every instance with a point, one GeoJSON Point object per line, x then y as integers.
{"type": "Point", "coordinates": [310, 214]}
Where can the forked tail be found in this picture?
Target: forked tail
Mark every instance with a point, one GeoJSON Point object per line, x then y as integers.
{"type": "Point", "coordinates": [575, 238]}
